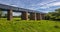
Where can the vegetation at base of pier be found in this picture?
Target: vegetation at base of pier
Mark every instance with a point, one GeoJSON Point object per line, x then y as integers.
{"type": "Point", "coordinates": [17, 25]}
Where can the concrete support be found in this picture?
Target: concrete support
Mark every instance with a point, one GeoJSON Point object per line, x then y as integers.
{"type": "Point", "coordinates": [24, 16]}
{"type": "Point", "coordinates": [32, 16]}
{"type": "Point", "coordinates": [9, 15]}
{"type": "Point", "coordinates": [38, 16]}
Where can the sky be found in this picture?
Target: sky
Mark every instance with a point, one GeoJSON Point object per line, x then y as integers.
{"type": "Point", "coordinates": [39, 5]}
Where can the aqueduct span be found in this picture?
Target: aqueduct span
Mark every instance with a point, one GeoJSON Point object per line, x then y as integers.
{"type": "Point", "coordinates": [34, 15]}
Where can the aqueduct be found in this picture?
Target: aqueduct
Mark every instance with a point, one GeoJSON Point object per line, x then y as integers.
{"type": "Point", "coordinates": [34, 15]}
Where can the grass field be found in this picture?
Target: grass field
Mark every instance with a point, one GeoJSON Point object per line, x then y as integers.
{"type": "Point", "coordinates": [18, 25]}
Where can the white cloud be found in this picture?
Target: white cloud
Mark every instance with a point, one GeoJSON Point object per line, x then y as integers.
{"type": "Point", "coordinates": [55, 4]}
{"type": "Point", "coordinates": [45, 5]}
{"type": "Point", "coordinates": [51, 4]}
{"type": "Point", "coordinates": [42, 6]}
{"type": "Point", "coordinates": [33, 8]}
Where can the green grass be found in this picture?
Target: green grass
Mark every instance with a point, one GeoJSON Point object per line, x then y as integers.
{"type": "Point", "coordinates": [18, 25]}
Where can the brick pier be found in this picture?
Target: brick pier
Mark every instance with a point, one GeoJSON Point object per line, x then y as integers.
{"type": "Point", "coordinates": [9, 14]}
{"type": "Point", "coordinates": [38, 16]}
{"type": "Point", "coordinates": [24, 16]}
{"type": "Point", "coordinates": [32, 16]}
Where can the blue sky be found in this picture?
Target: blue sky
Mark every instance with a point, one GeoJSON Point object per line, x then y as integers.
{"type": "Point", "coordinates": [39, 5]}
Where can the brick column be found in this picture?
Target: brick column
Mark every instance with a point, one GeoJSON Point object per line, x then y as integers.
{"type": "Point", "coordinates": [38, 16]}
{"type": "Point", "coordinates": [0, 13]}
{"type": "Point", "coordinates": [32, 16]}
{"type": "Point", "coordinates": [9, 15]}
{"type": "Point", "coordinates": [24, 16]}
{"type": "Point", "coordinates": [43, 17]}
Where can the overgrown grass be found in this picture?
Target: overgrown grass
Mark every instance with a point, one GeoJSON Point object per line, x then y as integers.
{"type": "Point", "coordinates": [18, 25]}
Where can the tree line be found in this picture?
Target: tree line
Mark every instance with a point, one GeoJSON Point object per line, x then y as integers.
{"type": "Point", "coordinates": [53, 15]}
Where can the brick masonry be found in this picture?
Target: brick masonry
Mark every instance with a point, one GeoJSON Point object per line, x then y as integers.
{"type": "Point", "coordinates": [24, 16]}
{"type": "Point", "coordinates": [32, 16]}
{"type": "Point", "coordinates": [43, 17]}
{"type": "Point", "coordinates": [38, 16]}
{"type": "Point", "coordinates": [9, 15]}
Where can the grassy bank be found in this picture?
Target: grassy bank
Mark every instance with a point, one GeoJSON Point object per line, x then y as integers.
{"type": "Point", "coordinates": [18, 25]}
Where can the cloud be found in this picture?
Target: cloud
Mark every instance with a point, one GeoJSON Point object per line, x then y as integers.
{"type": "Point", "coordinates": [42, 5]}
{"type": "Point", "coordinates": [51, 5]}
{"type": "Point", "coordinates": [55, 4]}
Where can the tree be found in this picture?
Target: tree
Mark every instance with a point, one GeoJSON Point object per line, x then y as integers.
{"type": "Point", "coordinates": [57, 10]}
{"type": "Point", "coordinates": [54, 15]}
